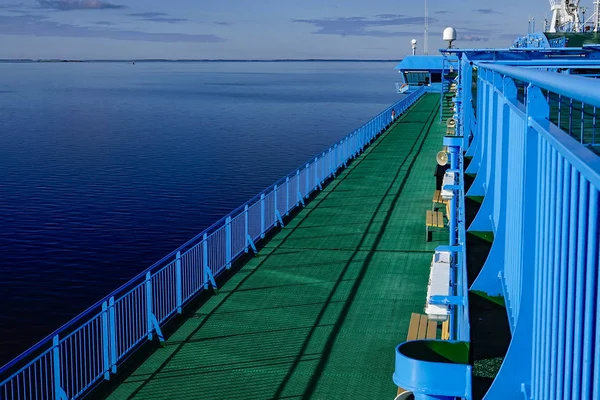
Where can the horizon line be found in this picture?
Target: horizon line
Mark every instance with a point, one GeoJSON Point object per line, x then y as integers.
{"type": "Point", "coordinates": [196, 60]}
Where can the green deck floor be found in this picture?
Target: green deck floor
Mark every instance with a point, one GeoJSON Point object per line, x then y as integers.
{"type": "Point", "coordinates": [319, 312]}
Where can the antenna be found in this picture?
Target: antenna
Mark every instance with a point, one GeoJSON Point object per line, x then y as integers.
{"type": "Point", "coordinates": [426, 34]}
{"type": "Point", "coordinates": [414, 46]}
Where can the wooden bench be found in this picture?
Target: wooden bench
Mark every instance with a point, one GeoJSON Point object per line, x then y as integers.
{"type": "Point", "coordinates": [434, 219]}
{"type": "Point", "coordinates": [420, 328]}
{"type": "Point", "coordinates": [438, 199]}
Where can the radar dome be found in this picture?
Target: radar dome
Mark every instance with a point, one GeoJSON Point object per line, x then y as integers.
{"type": "Point", "coordinates": [414, 41]}
{"type": "Point", "coordinates": [449, 34]}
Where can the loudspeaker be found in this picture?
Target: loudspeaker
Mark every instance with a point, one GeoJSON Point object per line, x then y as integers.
{"type": "Point", "coordinates": [442, 158]}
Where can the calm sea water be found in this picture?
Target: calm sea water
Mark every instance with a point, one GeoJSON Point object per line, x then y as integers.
{"type": "Point", "coordinates": [105, 168]}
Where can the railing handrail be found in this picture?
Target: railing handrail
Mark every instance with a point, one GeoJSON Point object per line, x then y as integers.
{"type": "Point", "coordinates": [577, 88]}
{"type": "Point", "coordinates": [586, 162]}
{"type": "Point", "coordinates": [84, 314]}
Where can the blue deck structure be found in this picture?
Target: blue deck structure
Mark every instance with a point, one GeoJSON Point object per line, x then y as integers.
{"type": "Point", "coordinates": [528, 137]}
{"type": "Point", "coordinates": [525, 176]}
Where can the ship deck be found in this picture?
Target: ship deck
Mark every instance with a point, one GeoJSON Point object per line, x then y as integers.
{"type": "Point", "coordinates": [318, 313]}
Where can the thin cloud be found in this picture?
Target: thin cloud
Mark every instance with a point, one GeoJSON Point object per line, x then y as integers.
{"type": "Point", "coordinates": [389, 15]}
{"type": "Point", "coordinates": [361, 26]}
{"type": "Point", "coordinates": [106, 23]}
{"type": "Point", "coordinates": [157, 17]}
{"type": "Point", "coordinates": [486, 11]}
{"type": "Point", "coordinates": [472, 38]}
{"type": "Point", "coordinates": [33, 25]}
{"type": "Point", "coordinates": [69, 5]}
{"type": "Point", "coordinates": [148, 14]}
{"type": "Point", "coordinates": [222, 23]}
{"type": "Point", "coordinates": [442, 12]}
{"type": "Point", "coordinates": [10, 6]}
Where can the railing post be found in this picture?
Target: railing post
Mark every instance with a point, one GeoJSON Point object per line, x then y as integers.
{"type": "Point", "coordinates": [335, 158]}
{"type": "Point", "coordinates": [330, 163]}
{"type": "Point", "coordinates": [262, 216]}
{"type": "Point", "coordinates": [317, 183]}
{"type": "Point", "coordinates": [228, 243]}
{"type": "Point", "coordinates": [105, 342]}
{"type": "Point", "coordinates": [59, 393]}
{"type": "Point", "coordinates": [205, 260]}
{"type": "Point", "coordinates": [246, 230]}
{"type": "Point", "coordinates": [307, 181]}
{"type": "Point", "coordinates": [298, 194]}
{"type": "Point", "coordinates": [275, 204]}
{"type": "Point", "coordinates": [149, 304]}
{"type": "Point", "coordinates": [287, 195]}
{"type": "Point", "coordinates": [112, 326]}
{"type": "Point", "coordinates": [178, 284]}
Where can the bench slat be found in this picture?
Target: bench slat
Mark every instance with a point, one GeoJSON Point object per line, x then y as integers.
{"type": "Point", "coordinates": [413, 328]}
{"type": "Point", "coordinates": [431, 330]}
{"type": "Point", "coordinates": [422, 327]}
{"type": "Point", "coordinates": [429, 218]}
{"type": "Point", "coordinates": [446, 330]}
{"type": "Point", "coordinates": [439, 220]}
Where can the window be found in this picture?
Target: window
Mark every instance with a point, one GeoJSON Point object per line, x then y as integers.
{"type": "Point", "coordinates": [417, 78]}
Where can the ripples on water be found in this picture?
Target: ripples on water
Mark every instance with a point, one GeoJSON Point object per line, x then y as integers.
{"type": "Point", "coordinates": [105, 168]}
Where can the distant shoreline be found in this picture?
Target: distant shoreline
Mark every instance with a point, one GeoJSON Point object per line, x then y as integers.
{"type": "Point", "coordinates": [184, 61]}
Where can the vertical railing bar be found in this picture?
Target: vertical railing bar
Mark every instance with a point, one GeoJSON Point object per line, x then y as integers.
{"type": "Point", "coordinates": [246, 228]}
{"type": "Point", "coordinates": [298, 188]}
{"type": "Point", "coordinates": [287, 195]}
{"type": "Point", "coordinates": [582, 120]}
{"type": "Point", "coordinates": [178, 282]}
{"type": "Point", "coordinates": [307, 173]}
{"type": "Point", "coordinates": [228, 254]}
{"type": "Point", "coordinates": [275, 223]}
{"type": "Point", "coordinates": [588, 257]}
{"type": "Point", "coordinates": [559, 110]}
{"type": "Point", "coordinates": [262, 216]}
{"type": "Point", "coordinates": [579, 291]}
{"type": "Point", "coordinates": [594, 128]}
{"type": "Point", "coordinates": [571, 117]}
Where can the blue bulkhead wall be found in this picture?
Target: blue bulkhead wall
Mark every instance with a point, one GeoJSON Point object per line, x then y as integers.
{"type": "Point", "coordinates": [541, 189]}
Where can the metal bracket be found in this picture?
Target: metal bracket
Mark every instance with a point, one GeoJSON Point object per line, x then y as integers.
{"type": "Point", "coordinates": [156, 327]}
{"type": "Point", "coordinates": [60, 393]}
{"type": "Point", "coordinates": [278, 216]}
{"type": "Point", "coordinates": [251, 243]}
{"type": "Point", "coordinates": [447, 300]}
{"type": "Point", "coordinates": [209, 277]}
{"type": "Point", "coordinates": [526, 390]}
{"type": "Point", "coordinates": [301, 199]}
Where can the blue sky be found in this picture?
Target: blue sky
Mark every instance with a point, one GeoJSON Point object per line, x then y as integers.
{"type": "Point", "coordinates": [259, 29]}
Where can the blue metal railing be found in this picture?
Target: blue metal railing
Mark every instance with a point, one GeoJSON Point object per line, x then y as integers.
{"type": "Point", "coordinates": [88, 349]}
{"type": "Point", "coordinates": [541, 188]}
